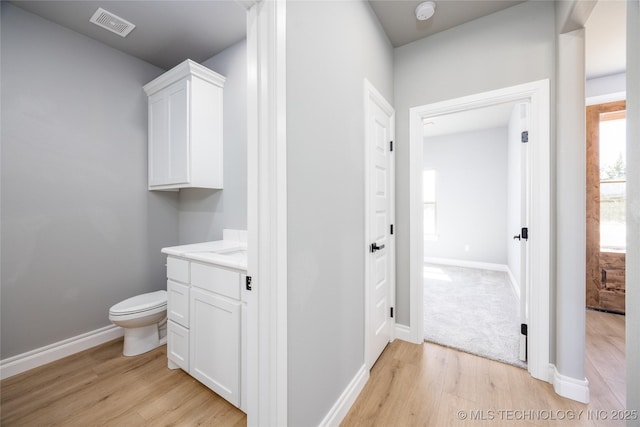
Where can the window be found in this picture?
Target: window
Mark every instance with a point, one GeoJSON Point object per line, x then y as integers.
{"type": "Point", "coordinates": [429, 201]}
{"type": "Point", "coordinates": [613, 181]}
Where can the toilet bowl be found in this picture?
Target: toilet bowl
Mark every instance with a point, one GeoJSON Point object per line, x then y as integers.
{"type": "Point", "coordinates": [144, 319]}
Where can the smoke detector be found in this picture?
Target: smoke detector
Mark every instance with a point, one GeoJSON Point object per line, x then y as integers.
{"type": "Point", "coordinates": [111, 22]}
{"type": "Point", "coordinates": [425, 10]}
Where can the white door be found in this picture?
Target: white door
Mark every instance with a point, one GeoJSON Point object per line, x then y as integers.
{"type": "Point", "coordinates": [523, 232]}
{"type": "Point", "coordinates": [379, 217]}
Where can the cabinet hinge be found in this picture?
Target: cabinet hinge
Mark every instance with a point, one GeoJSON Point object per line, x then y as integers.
{"type": "Point", "coordinates": [524, 136]}
{"type": "Point", "coordinates": [390, 145]}
{"type": "Point", "coordinates": [248, 283]}
{"type": "Point", "coordinates": [391, 228]}
{"type": "Point", "coordinates": [391, 312]}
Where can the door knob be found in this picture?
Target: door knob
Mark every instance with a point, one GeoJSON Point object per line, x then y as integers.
{"type": "Point", "coordinates": [516, 237]}
{"type": "Point", "coordinates": [374, 247]}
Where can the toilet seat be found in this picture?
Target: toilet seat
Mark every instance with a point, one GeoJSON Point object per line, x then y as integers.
{"type": "Point", "coordinates": [140, 303]}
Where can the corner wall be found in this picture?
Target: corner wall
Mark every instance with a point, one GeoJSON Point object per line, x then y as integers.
{"type": "Point", "coordinates": [205, 213]}
{"type": "Point", "coordinates": [332, 46]}
{"type": "Point", "coordinates": [471, 195]}
{"type": "Point", "coordinates": [80, 230]}
{"type": "Point", "coordinates": [633, 209]}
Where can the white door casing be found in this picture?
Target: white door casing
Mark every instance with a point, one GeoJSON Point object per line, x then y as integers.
{"type": "Point", "coordinates": [379, 217]}
{"type": "Point", "coordinates": [539, 167]}
{"type": "Point", "coordinates": [266, 213]}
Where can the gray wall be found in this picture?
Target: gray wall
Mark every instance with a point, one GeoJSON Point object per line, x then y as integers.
{"type": "Point", "coordinates": [471, 195]}
{"type": "Point", "coordinates": [331, 48]}
{"type": "Point", "coordinates": [633, 208]}
{"type": "Point", "coordinates": [204, 213]}
{"type": "Point", "coordinates": [514, 46]}
{"type": "Point", "coordinates": [80, 231]}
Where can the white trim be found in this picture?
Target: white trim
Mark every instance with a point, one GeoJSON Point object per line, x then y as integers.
{"type": "Point", "coordinates": [540, 214]}
{"type": "Point", "coordinates": [41, 356]}
{"type": "Point", "coordinates": [569, 387]}
{"type": "Point", "coordinates": [469, 264]}
{"type": "Point", "coordinates": [514, 283]}
{"type": "Point", "coordinates": [371, 94]}
{"type": "Point", "coordinates": [403, 333]}
{"type": "Point", "coordinates": [267, 214]}
{"type": "Point", "coordinates": [348, 397]}
{"type": "Point", "coordinates": [480, 265]}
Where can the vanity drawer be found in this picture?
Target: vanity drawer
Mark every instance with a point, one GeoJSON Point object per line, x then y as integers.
{"type": "Point", "coordinates": [178, 303]}
{"type": "Point", "coordinates": [178, 269]}
{"type": "Point", "coordinates": [216, 279]}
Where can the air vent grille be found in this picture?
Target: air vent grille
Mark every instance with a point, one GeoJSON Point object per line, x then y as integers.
{"type": "Point", "coordinates": [111, 22]}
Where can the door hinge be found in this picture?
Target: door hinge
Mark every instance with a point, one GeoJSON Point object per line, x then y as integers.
{"type": "Point", "coordinates": [524, 233]}
{"type": "Point", "coordinates": [524, 136]}
{"type": "Point", "coordinates": [391, 228]}
{"type": "Point", "coordinates": [391, 310]}
{"type": "Point", "coordinates": [390, 145]}
{"type": "Point", "coordinates": [248, 283]}
{"type": "Point", "coordinates": [523, 329]}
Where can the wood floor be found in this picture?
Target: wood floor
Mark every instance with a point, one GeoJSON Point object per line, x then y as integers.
{"type": "Point", "coordinates": [410, 385]}
{"type": "Point", "coordinates": [430, 385]}
{"type": "Point", "coordinates": [100, 387]}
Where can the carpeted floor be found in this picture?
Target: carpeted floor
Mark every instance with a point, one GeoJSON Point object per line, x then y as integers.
{"type": "Point", "coordinates": [472, 310]}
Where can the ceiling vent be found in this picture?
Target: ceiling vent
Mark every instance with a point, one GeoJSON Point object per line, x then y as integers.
{"type": "Point", "coordinates": [111, 22]}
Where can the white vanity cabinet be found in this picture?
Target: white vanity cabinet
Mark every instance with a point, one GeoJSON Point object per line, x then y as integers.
{"type": "Point", "coordinates": [185, 128]}
{"type": "Point", "coordinates": [205, 325]}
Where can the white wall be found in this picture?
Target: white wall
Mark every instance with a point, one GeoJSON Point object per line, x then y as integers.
{"type": "Point", "coordinates": [513, 46]}
{"type": "Point", "coordinates": [332, 46]}
{"type": "Point", "coordinates": [471, 195]}
{"type": "Point", "coordinates": [204, 213]}
{"type": "Point", "coordinates": [80, 231]}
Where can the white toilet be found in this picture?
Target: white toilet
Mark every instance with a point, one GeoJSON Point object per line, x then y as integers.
{"type": "Point", "coordinates": [144, 319]}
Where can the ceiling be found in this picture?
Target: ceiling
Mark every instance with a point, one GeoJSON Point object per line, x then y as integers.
{"type": "Point", "coordinates": [399, 21]}
{"type": "Point", "coordinates": [167, 31]}
{"type": "Point", "coordinates": [491, 117]}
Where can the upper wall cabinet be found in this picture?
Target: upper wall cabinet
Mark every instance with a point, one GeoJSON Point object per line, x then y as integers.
{"type": "Point", "coordinates": [185, 128]}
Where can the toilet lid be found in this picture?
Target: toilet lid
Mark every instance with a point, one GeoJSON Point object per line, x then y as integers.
{"type": "Point", "coordinates": [139, 303]}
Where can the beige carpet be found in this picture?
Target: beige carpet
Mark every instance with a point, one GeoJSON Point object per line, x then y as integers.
{"type": "Point", "coordinates": [473, 310]}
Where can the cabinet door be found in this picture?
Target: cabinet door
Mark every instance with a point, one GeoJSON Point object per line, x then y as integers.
{"type": "Point", "coordinates": [178, 303]}
{"type": "Point", "coordinates": [169, 135]}
{"type": "Point", "coordinates": [215, 343]}
{"type": "Point", "coordinates": [177, 345]}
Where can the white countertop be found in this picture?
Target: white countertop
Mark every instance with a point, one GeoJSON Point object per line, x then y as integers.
{"type": "Point", "coordinates": [227, 253]}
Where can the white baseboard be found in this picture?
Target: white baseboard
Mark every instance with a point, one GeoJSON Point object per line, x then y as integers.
{"type": "Point", "coordinates": [41, 356]}
{"type": "Point", "coordinates": [405, 333]}
{"type": "Point", "coordinates": [346, 400]}
{"type": "Point", "coordinates": [469, 264]}
{"type": "Point", "coordinates": [514, 283]}
{"type": "Point", "coordinates": [569, 387]}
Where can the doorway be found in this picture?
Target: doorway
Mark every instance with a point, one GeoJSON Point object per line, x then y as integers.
{"type": "Point", "coordinates": [605, 202]}
{"type": "Point", "coordinates": [475, 196]}
{"type": "Point", "coordinates": [537, 94]}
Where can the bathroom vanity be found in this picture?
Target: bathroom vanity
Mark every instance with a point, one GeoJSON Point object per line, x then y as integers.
{"type": "Point", "coordinates": [206, 310]}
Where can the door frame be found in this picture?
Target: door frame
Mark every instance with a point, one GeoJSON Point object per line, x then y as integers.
{"type": "Point", "coordinates": [266, 213]}
{"type": "Point", "coordinates": [372, 95]}
{"type": "Point", "coordinates": [537, 93]}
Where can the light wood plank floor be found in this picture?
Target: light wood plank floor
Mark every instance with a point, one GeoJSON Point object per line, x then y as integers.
{"type": "Point", "coordinates": [100, 387]}
{"type": "Point", "coordinates": [411, 385]}
{"type": "Point", "coordinates": [426, 385]}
